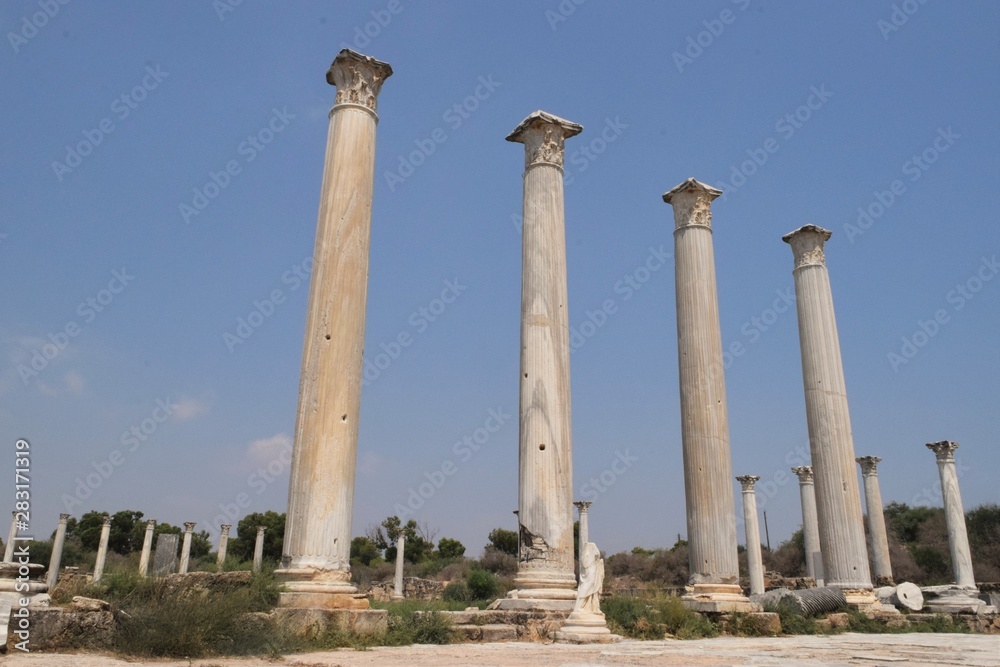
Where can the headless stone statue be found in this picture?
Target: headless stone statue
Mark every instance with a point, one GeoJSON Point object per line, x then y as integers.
{"type": "Point", "coordinates": [587, 624]}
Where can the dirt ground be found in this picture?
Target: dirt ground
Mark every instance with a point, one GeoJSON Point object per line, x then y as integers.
{"type": "Point", "coordinates": [808, 651]}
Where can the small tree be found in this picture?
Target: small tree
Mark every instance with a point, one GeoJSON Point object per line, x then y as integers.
{"type": "Point", "coordinates": [504, 540]}
{"type": "Point", "coordinates": [246, 535]}
{"type": "Point", "coordinates": [364, 550]}
{"type": "Point", "coordinates": [449, 548]}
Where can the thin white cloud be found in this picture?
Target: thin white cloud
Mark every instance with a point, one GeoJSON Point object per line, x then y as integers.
{"type": "Point", "coordinates": [75, 382]}
{"type": "Point", "coordinates": [265, 450]}
{"type": "Point", "coordinates": [187, 408]}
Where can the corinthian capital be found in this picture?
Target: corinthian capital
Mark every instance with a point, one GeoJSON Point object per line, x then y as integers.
{"type": "Point", "coordinates": [804, 473]}
{"type": "Point", "coordinates": [944, 450]}
{"type": "Point", "coordinates": [544, 137]}
{"type": "Point", "coordinates": [747, 481]}
{"type": "Point", "coordinates": [869, 464]}
{"type": "Point", "coordinates": [358, 79]}
{"type": "Point", "coordinates": [807, 245]}
{"type": "Point", "coordinates": [692, 202]}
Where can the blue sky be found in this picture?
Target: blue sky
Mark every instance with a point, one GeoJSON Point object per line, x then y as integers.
{"type": "Point", "coordinates": [119, 115]}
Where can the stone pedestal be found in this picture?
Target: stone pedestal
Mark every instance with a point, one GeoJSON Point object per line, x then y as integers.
{"type": "Point", "coordinates": [102, 549]}
{"type": "Point", "coordinates": [258, 549]}
{"type": "Point", "coordinates": [315, 563]}
{"type": "Point", "coordinates": [397, 588]}
{"type": "Point", "coordinates": [57, 550]}
{"type": "Point", "coordinates": [165, 557]}
{"type": "Point", "coordinates": [147, 548]}
{"type": "Point", "coordinates": [546, 576]}
{"type": "Point", "coordinates": [838, 499]}
{"type": "Point", "coordinates": [877, 536]}
{"type": "Point", "coordinates": [755, 564]}
{"type": "Point", "coordinates": [711, 520]}
{"type": "Point", "coordinates": [810, 524]}
{"type": "Point", "coordinates": [8, 546]}
{"type": "Point", "coordinates": [223, 545]}
{"type": "Point", "coordinates": [186, 548]}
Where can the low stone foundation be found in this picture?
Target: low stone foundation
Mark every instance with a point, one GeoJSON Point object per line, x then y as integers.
{"type": "Point", "coordinates": [309, 623]}
{"type": "Point", "coordinates": [497, 625]}
{"type": "Point", "coordinates": [414, 588]}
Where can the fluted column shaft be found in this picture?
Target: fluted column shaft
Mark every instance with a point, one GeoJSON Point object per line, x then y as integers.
{"type": "Point", "coordinates": [810, 524]}
{"type": "Point", "coordinates": [317, 544]}
{"type": "Point", "coordinates": [258, 549]}
{"type": "Point", "coordinates": [838, 499]}
{"type": "Point", "coordinates": [397, 589]}
{"type": "Point", "coordinates": [102, 549]}
{"type": "Point", "coordinates": [751, 526]}
{"type": "Point", "coordinates": [55, 560]}
{"type": "Point", "coordinates": [545, 498]}
{"type": "Point", "coordinates": [954, 514]}
{"type": "Point", "coordinates": [223, 544]}
{"type": "Point", "coordinates": [8, 547]}
{"type": "Point", "coordinates": [708, 487]}
{"type": "Point", "coordinates": [147, 548]}
{"type": "Point", "coordinates": [186, 548]}
{"type": "Point", "coordinates": [877, 535]}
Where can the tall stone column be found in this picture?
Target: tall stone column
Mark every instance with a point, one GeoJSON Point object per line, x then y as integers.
{"type": "Point", "coordinates": [583, 506]}
{"type": "Point", "coordinates": [546, 577]}
{"type": "Point", "coordinates": [954, 514]}
{"type": "Point", "coordinates": [755, 564]}
{"type": "Point", "coordinates": [57, 550]}
{"type": "Point", "coordinates": [315, 562]}
{"type": "Point", "coordinates": [397, 589]}
{"type": "Point", "coordinates": [223, 544]}
{"type": "Point", "coordinates": [810, 524]}
{"type": "Point", "coordinates": [102, 549]}
{"type": "Point", "coordinates": [714, 583]}
{"type": "Point", "coordinates": [8, 547]}
{"type": "Point", "coordinates": [838, 499]}
{"type": "Point", "coordinates": [877, 535]}
{"type": "Point", "coordinates": [258, 549]}
{"type": "Point", "coordinates": [186, 547]}
{"type": "Point", "coordinates": [147, 548]}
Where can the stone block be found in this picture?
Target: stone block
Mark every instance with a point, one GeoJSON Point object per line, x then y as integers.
{"type": "Point", "coordinates": [310, 622]}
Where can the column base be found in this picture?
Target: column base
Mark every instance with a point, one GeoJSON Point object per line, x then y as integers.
{"type": "Point", "coordinates": [954, 599]}
{"type": "Point", "coordinates": [864, 599]}
{"type": "Point", "coordinates": [308, 588]}
{"type": "Point", "coordinates": [585, 628]}
{"type": "Point", "coordinates": [540, 590]}
{"type": "Point", "coordinates": [716, 598]}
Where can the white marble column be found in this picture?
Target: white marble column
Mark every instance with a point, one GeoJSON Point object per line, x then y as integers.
{"type": "Point", "coordinates": [147, 548]}
{"type": "Point", "coordinates": [708, 487]}
{"type": "Point", "coordinates": [55, 560]}
{"type": "Point", "coordinates": [8, 547]}
{"type": "Point", "coordinates": [315, 562]}
{"type": "Point", "coordinates": [546, 576]}
{"type": "Point", "coordinates": [838, 499]}
{"type": "Point", "coordinates": [878, 538]}
{"type": "Point", "coordinates": [102, 549]}
{"type": "Point", "coordinates": [223, 544]}
{"type": "Point", "coordinates": [258, 549]}
{"type": "Point", "coordinates": [755, 564]}
{"type": "Point", "coordinates": [397, 588]}
{"type": "Point", "coordinates": [583, 506]}
{"type": "Point", "coordinates": [954, 514]}
{"type": "Point", "coordinates": [186, 547]}
{"type": "Point", "coordinates": [810, 524]}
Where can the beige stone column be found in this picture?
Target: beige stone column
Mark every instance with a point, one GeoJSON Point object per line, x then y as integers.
{"type": "Point", "coordinates": [810, 524]}
{"type": "Point", "coordinates": [102, 549]}
{"type": "Point", "coordinates": [751, 526]}
{"type": "Point", "coordinates": [708, 487]}
{"type": "Point", "coordinates": [838, 499]}
{"type": "Point", "coordinates": [55, 560]}
{"type": "Point", "coordinates": [8, 547]}
{"type": "Point", "coordinates": [223, 544]}
{"type": "Point", "coordinates": [186, 548]}
{"type": "Point", "coordinates": [954, 514]}
{"type": "Point", "coordinates": [878, 538]}
{"type": "Point", "coordinates": [397, 589]}
{"type": "Point", "coordinates": [147, 548]}
{"type": "Point", "coordinates": [315, 562]}
{"type": "Point", "coordinates": [258, 549]}
{"type": "Point", "coordinates": [546, 570]}
{"type": "Point", "coordinates": [583, 507]}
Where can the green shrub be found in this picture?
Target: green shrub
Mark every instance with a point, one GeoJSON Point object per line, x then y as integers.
{"type": "Point", "coordinates": [482, 585]}
{"type": "Point", "coordinates": [653, 617]}
{"type": "Point", "coordinates": [456, 591]}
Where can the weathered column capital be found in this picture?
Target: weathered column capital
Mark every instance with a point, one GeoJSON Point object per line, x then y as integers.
{"type": "Point", "coordinates": [107, 520]}
{"type": "Point", "coordinates": [225, 528]}
{"type": "Point", "coordinates": [807, 245]}
{"type": "Point", "coordinates": [869, 464]}
{"type": "Point", "coordinates": [747, 481]}
{"type": "Point", "coordinates": [583, 505]}
{"type": "Point", "coordinates": [63, 518]}
{"type": "Point", "coordinates": [804, 473]}
{"type": "Point", "coordinates": [358, 79]}
{"type": "Point", "coordinates": [189, 526]}
{"type": "Point", "coordinates": [150, 523]}
{"type": "Point", "coordinates": [944, 450]}
{"type": "Point", "coordinates": [261, 529]}
{"type": "Point", "coordinates": [544, 137]}
{"type": "Point", "coordinates": [692, 202]}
